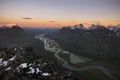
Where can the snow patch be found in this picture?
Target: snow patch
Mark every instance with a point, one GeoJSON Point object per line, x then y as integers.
{"type": "Point", "coordinates": [5, 63]}
{"type": "Point", "coordinates": [11, 59]}
{"type": "Point", "coordinates": [46, 74]}
{"type": "Point", "coordinates": [31, 70]}
{"type": "Point", "coordinates": [8, 68]}
{"type": "Point", "coordinates": [23, 65]}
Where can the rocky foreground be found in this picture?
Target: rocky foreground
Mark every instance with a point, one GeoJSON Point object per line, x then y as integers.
{"type": "Point", "coordinates": [20, 63]}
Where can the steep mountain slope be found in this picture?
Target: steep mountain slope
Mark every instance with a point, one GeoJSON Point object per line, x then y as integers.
{"type": "Point", "coordinates": [14, 36]}
{"type": "Point", "coordinates": [97, 42]}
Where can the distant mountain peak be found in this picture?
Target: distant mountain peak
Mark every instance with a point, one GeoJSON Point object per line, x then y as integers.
{"type": "Point", "coordinates": [16, 27]}
{"type": "Point", "coordinates": [4, 27]}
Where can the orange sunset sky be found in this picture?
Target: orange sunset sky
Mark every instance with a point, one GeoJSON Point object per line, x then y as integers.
{"type": "Point", "coordinates": [59, 13]}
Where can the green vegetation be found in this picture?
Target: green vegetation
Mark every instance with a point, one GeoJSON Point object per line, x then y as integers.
{"type": "Point", "coordinates": [94, 75]}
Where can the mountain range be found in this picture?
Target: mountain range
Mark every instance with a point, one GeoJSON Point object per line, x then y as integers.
{"type": "Point", "coordinates": [97, 41]}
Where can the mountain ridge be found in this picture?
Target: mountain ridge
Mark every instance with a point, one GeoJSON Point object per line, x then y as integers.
{"type": "Point", "coordinates": [97, 42]}
{"type": "Point", "coordinates": [14, 35]}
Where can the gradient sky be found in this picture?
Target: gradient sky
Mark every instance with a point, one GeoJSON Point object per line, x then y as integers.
{"type": "Point", "coordinates": [54, 13]}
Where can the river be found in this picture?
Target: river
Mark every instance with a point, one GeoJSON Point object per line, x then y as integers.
{"type": "Point", "coordinates": [53, 46]}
